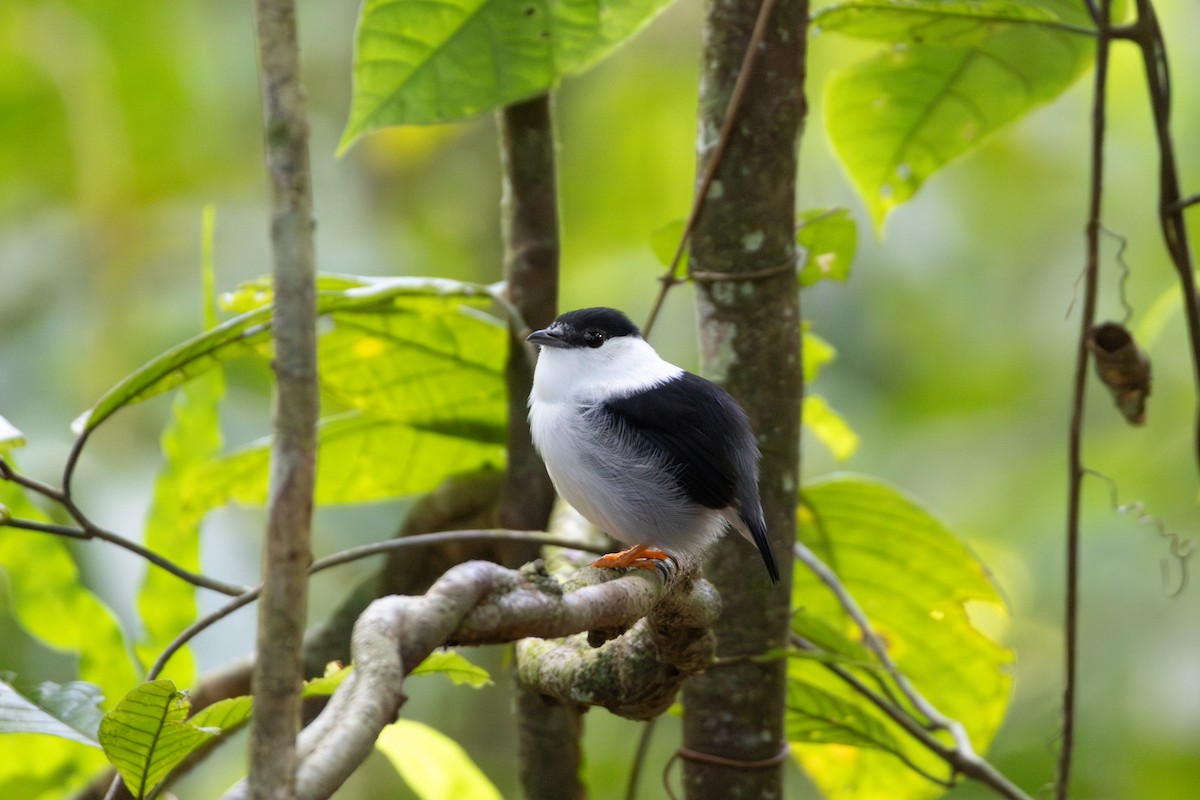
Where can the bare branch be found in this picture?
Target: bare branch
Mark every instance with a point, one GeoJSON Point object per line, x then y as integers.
{"type": "Point", "coordinates": [473, 603]}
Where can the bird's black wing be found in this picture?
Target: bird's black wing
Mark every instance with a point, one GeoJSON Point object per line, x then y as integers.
{"type": "Point", "coordinates": [704, 438]}
{"type": "Point", "coordinates": [698, 429]}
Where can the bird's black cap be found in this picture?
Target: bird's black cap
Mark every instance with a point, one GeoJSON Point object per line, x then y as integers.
{"type": "Point", "coordinates": [585, 327]}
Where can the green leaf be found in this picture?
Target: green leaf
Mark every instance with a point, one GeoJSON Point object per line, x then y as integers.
{"type": "Point", "coordinates": [829, 238]}
{"type": "Point", "coordinates": [328, 683]}
{"type": "Point", "coordinates": [252, 329]}
{"type": "Point", "coordinates": [815, 716]}
{"type": "Point", "coordinates": [146, 735]}
{"type": "Point", "coordinates": [70, 711]}
{"type": "Point", "coordinates": [224, 715]}
{"type": "Point", "coordinates": [420, 62]}
{"type": "Point", "coordinates": [913, 579]}
{"type": "Point", "coordinates": [456, 668]}
{"type": "Point", "coordinates": [897, 118]}
{"type": "Point", "coordinates": [927, 21]}
{"type": "Point", "coordinates": [50, 601]}
{"type": "Point", "coordinates": [361, 460]}
{"type": "Point", "coordinates": [166, 604]}
{"type": "Point", "coordinates": [433, 765]}
{"type": "Point", "coordinates": [815, 353]}
{"type": "Point", "coordinates": [184, 361]}
{"type": "Point", "coordinates": [829, 427]}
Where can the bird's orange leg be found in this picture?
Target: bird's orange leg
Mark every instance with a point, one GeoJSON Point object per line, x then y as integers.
{"type": "Point", "coordinates": [641, 556]}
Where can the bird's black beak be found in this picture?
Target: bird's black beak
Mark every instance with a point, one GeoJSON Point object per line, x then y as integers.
{"type": "Point", "coordinates": [545, 338]}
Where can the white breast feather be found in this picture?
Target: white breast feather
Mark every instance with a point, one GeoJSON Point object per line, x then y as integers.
{"type": "Point", "coordinates": [592, 470]}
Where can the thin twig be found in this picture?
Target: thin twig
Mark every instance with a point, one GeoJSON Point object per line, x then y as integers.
{"type": "Point", "coordinates": [90, 530]}
{"type": "Point", "coordinates": [670, 278]}
{"type": "Point", "coordinates": [1079, 394]}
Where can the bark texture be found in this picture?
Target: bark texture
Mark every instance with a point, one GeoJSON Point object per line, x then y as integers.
{"type": "Point", "coordinates": [287, 552]}
{"type": "Point", "coordinates": [750, 343]}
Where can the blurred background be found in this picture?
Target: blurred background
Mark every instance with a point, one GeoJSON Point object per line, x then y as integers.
{"type": "Point", "coordinates": [121, 121]}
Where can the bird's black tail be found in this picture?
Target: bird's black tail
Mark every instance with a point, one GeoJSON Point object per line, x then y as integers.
{"type": "Point", "coordinates": [758, 530]}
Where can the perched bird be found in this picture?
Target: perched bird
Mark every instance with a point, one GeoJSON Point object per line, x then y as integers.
{"type": "Point", "coordinates": [658, 458]}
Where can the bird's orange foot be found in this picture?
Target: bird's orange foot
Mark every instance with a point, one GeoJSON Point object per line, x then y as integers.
{"type": "Point", "coordinates": [641, 556]}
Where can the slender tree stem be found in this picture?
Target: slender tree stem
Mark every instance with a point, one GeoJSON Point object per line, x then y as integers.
{"type": "Point", "coordinates": [278, 670]}
{"type": "Point", "coordinates": [1075, 468]}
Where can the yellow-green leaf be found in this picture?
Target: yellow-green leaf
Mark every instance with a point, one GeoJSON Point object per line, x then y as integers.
{"type": "Point", "coordinates": [897, 118]}
{"type": "Point", "coordinates": [146, 735]}
{"type": "Point", "coordinates": [455, 667]}
{"type": "Point", "coordinates": [829, 427]}
{"type": "Point", "coordinates": [913, 578]}
{"type": "Point", "coordinates": [433, 765]}
{"type": "Point", "coordinates": [420, 62]}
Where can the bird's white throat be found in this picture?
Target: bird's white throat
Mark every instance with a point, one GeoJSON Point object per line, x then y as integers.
{"type": "Point", "coordinates": [622, 366]}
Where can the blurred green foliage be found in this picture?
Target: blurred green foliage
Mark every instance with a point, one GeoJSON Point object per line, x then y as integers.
{"type": "Point", "coordinates": [119, 121]}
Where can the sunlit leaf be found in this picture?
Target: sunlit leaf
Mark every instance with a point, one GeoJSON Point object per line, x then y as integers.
{"type": "Point", "coordinates": [829, 427]}
{"type": "Point", "coordinates": [146, 735]}
{"type": "Point", "coordinates": [815, 353]}
{"type": "Point", "coordinates": [328, 683]}
{"type": "Point", "coordinates": [896, 118]}
{"type": "Point", "coordinates": [362, 459]}
{"type": "Point", "coordinates": [224, 715]}
{"type": "Point", "coordinates": [421, 62]}
{"type": "Point", "coordinates": [912, 577]}
{"type": "Point", "coordinates": [252, 329]}
{"type": "Point", "coordinates": [433, 765]}
{"type": "Point", "coordinates": [37, 767]}
{"type": "Point", "coordinates": [927, 21]}
{"type": "Point", "coordinates": [192, 436]}
{"type": "Point", "coordinates": [829, 238]}
{"type": "Point", "coordinates": [455, 667]}
{"type": "Point", "coordinates": [70, 711]}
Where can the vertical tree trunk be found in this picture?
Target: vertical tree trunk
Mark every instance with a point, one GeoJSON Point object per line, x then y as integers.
{"type": "Point", "coordinates": [278, 670]}
{"type": "Point", "coordinates": [548, 731]}
{"type": "Point", "coordinates": [750, 343]}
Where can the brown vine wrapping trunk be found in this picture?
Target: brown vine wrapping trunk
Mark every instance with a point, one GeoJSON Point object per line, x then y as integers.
{"type": "Point", "coordinates": [750, 343]}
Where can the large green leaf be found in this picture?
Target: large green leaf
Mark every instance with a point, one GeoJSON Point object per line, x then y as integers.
{"type": "Point", "coordinates": [419, 62]}
{"type": "Point", "coordinates": [166, 604]}
{"type": "Point", "coordinates": [928, 21]}
{"type": "Point", "coordinates": [251, 330]}
{"type": "Point", "coordinates": [913, 579]}
{"type": "Point", "coordinates": [433, 765]}
{"type": "Point", "coordinates": [147, 735]}
{"type": "Point", "coordinates": [362, 459]}
{"type": "Point", "coordinates": [957, 71]}
{"type": "Point", "coordinates": [70, 711]}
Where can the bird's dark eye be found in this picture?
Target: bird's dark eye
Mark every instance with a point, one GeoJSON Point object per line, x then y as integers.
{"type": "Point", "coordinates": [593, 338]}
